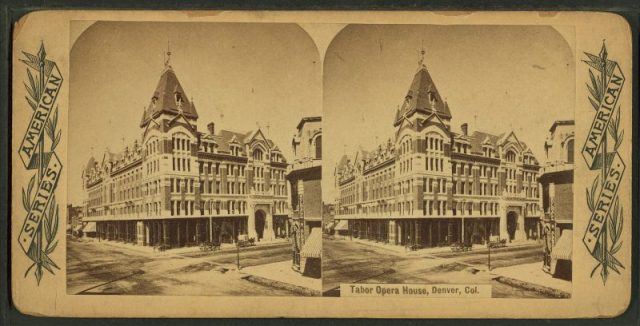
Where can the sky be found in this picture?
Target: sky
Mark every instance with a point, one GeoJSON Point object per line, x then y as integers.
{"type": "Point", "coordinates": [238, 74]}
{"type": "Point", "coordinates": [495, 78]}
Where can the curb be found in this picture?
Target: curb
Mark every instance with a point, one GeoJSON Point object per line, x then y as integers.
{"type": "Point", "coordinates": [554, 293]}
{"type": "Point", "coordinates": [286, 286]}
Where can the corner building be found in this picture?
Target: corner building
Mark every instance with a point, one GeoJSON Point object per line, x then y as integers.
{"type": "Point", "coordinates": [556, 180]}
{"type": "Point", "coordinates": [429, 186]}
{"type": "Point", "coordinates": [305, 175]}
{"type": "Point", "coordinates": [178, 186]}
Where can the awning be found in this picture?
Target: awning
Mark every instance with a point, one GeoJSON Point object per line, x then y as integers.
{"type": "Point", "coordinates": [343, 225]}
{"type": "Point", "coordinates": [89, 227]}
{"type": "Point", "coordinates": [563, 247]}
{"type": "Point", "coordinates": [313, 245]}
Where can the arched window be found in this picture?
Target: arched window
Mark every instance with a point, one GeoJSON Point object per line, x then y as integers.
{"type": "Point", "coordinates": [570, 151]}
{"type": "Point", "coordinates": [318, 144]}
{"type": "Point", "coordinates": [257, 154]}
{"type": "Point", "coordinates": [511, 156]}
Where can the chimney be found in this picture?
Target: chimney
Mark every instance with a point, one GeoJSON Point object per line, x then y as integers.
{"type": "Point", "coordinates": [211, 127]}
{"type": "Point", "coordinates": [465, 129]}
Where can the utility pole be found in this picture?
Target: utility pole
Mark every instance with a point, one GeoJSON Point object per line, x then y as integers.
{"type": "Point", "coordinates": [238, 254]}
{"type": "Point", "coordinates": [489, 247]}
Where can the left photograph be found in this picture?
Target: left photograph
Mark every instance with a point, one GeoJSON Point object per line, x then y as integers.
{"type": "Point", "coordinates": [194, 160]}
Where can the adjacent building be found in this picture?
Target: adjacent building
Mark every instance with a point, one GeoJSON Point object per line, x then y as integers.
{"type": "Point", "coordinates": [429, 185]}
{"type": "Point", "coordinates": [178, 185]}
{"type": "Point", "coordinates": [305, 176]}
{"type": "Point", "coordinates": [556, 179]}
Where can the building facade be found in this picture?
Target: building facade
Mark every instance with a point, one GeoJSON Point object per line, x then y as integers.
{"type": "Point", "coordinates": [179, 186]}
{"type": "Point", "coordinates": [556, 179]}
{"type": "Point", "coordinates": [429, 186]}
{"type": "Point", "coordinates": [304, 176]}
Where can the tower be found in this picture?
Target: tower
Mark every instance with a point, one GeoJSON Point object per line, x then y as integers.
{"type": "Point", "coordinates": [169, 98]}
{"type": "Point", "coordinates": [423, 98]}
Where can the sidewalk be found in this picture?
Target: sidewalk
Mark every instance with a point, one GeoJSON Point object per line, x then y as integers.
{"type": "Point", "coordinates": [426, 252]}
{"type": "Point", "coordinates": [532, 274]}
{"type": "Point", "coordinates": [225, 247]}
{"type": "Point", "coordinates": [281, 275]}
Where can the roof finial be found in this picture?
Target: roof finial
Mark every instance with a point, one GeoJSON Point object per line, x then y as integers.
{"type": "Point", "coordinates": [422, 53]}
{"type": "Point", "coordinates": [168, 56]}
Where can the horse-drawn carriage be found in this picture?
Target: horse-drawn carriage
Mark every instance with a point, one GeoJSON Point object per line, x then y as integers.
{"type": "Point", "coordinates": [209, 246]}
{"type": "Point", "coordinates": [460, 246]}
{"type": "Point", "coordinates": [245, 241]}
{"type": "Point", "coordinates": [498, 243]}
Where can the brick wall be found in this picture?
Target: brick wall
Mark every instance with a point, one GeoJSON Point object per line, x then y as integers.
{"type": "Point", "coordinates": [312, 198]}
{"type": "Point", "coordinates": [564, 201]}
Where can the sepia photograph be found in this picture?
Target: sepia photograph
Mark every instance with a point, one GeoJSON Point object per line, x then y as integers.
{"type": "Point", "coordinates": [462, 169]}
{"type": "Point", "coordinates": [191, 150]}
{"type": "Point", "coordinates": [321, 164]}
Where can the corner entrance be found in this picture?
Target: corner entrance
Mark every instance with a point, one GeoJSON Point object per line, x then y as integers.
{"type": "Point", "coordinates": [261, 219]}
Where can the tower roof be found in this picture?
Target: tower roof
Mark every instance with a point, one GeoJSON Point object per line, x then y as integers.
{"type": "Point", "coordinates": [166, 97]}
{"type": "Point", "coordinates": [423, 96]}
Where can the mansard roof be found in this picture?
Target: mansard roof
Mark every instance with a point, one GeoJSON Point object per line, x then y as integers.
{"type": "Point", "coordinates": [342, 163]}
{"type": "Point", "coordinates": [91, 164]}
{"type": "Point", "coordinates": [114, 161]}
{"type": "Point", "coordinates": [224, 139]}
{"type": "Point", "coordinates": [419, 96]}
{"type": "Point", "coordinates": [164, 99]}
{"type": "Point", "coordinates": [478, 138]}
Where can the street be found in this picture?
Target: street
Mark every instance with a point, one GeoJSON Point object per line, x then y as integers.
{"type": "Point", "coordinates": [348, 261]}
{"type": "Point", "coordinates": [104, 268]}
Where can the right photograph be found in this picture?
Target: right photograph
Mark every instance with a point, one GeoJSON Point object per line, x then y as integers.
{"type": "Point", "coordinates": [448, 161]}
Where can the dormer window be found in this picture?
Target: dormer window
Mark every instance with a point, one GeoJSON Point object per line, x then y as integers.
{"type": "Point", "coordinates": [178, 97]}
{"type": "Point", "coordinates": [409, 96]}
{"type": "Point", "coordinates": [432, 98]}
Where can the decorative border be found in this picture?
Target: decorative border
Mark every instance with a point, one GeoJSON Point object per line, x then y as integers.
{"type": "Point", "coordinates": [40, 228]}
{"type": "Point", "coordinates": [603, 234]}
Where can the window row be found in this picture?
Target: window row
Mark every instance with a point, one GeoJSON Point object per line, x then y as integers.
{"type": "Point", "coordinates": [152, 147]}
{"type": "Point", "coordinates": [406, 165]}
{"type": "Point", "coordinates": [153, 166]}
{"type": "Point", "coordinates": [180, 143]}
{"type": "Point", "coordinates": [181, 164]}
{"type": "Point", "coordinates": [434, 164]}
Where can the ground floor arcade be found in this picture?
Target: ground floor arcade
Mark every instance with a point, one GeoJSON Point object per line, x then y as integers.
{"type": "Point", "coordinates": [183, 232]}
{"type": "Point", "coordinates": [436, 232]}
